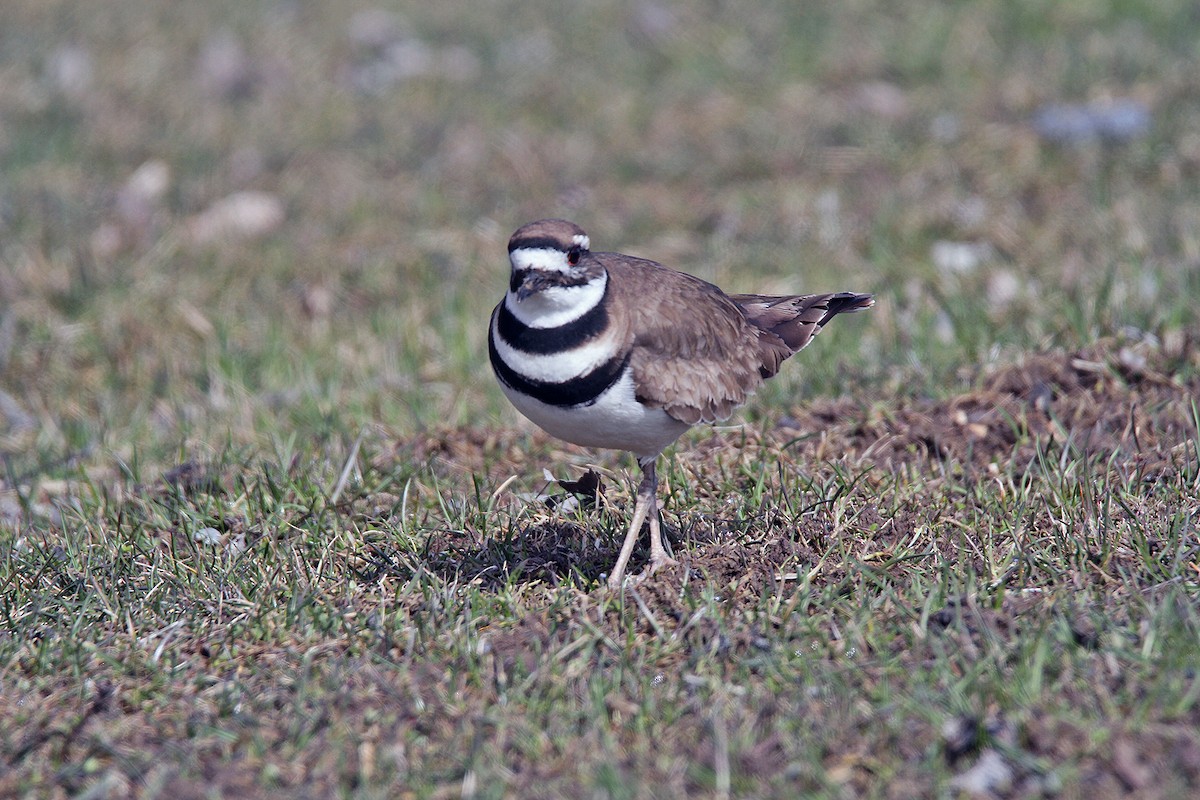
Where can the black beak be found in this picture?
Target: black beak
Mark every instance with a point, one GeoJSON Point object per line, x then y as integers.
{"type": "Point", "coordinates": [527, 282]}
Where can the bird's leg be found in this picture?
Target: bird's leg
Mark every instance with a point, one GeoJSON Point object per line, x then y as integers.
{"type": "Point", "coordinates": [645, 501]}
{"type": "Point", "coordinates": [659, 557]}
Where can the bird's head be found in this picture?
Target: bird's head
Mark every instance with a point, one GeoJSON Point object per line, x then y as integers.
{"type": "Point", "coordinates": [549, 258]}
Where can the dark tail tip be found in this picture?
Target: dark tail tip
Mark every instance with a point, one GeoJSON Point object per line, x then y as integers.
{"type": "Point", "coordinates": [847, 303]}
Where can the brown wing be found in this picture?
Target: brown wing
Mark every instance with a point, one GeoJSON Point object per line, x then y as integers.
{"type": "Point", "coordinates": [694, 354]}
{"type": "Point", "coordinates": [792, 322]}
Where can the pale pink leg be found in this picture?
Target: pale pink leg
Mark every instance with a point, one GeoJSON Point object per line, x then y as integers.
{"type": "Point", "coordinates": [645, 501]}
{"type": "Point", "coordinates": [659, 557]}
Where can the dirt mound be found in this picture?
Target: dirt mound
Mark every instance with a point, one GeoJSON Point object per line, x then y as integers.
{"type": "Point", "coordinates": [1102, 400]}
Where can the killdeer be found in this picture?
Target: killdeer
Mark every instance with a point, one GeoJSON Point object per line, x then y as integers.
{"type": "Point", "coordinates": [612, 351]}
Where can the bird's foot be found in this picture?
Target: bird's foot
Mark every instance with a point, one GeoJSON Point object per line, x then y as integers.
{"type": "Point", "coordinates": [660, 560]}
{"type": "Point", "coordinates": [657, 561]}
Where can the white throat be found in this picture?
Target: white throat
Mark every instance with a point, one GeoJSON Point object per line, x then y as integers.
{"type": "Point", "coordinates": [558, 305]}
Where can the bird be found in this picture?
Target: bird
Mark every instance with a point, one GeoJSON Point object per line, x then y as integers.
{"type": "Point", "coordinates": [606, 350]}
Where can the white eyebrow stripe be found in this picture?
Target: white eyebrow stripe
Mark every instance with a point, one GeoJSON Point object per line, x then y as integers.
{"type": "Point", "coordinates": [546, 258]}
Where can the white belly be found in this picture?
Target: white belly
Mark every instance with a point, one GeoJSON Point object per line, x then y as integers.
{"type": "Point", "coordinates": [616, 420]}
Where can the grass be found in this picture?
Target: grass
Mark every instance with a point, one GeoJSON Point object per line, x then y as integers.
{"type": "Point", "coordinates": [268, 528]}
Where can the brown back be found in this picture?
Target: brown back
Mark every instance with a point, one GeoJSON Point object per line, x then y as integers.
{"type": "Point", "coordinates": [698, 353]}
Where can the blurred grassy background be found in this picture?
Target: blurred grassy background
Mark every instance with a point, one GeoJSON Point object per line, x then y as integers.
{"type": "Point", "coordinates": [234, 235]}
{"type": "Point", "coordinates": [767, 146]}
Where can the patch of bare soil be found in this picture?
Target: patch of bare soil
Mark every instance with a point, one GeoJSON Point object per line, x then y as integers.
{"type": "Point", "coordinates": [1104, 399]}
{"type": "Point", "coordinates": [550, 552]}
{"type": "Point", "coordinates": [1159, 761]}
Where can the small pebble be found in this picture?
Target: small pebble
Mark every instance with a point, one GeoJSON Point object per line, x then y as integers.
{"type": "Point", "coordinates": [208, 536]}
{"type": "Point", "coordinates": [1118, 121]}
{"type": "Point", "coordinates": [959, 258]}
{"type": "Point", "coordinates": [242, 215]}
{"type": "Point", "coordinates": [990, 776]}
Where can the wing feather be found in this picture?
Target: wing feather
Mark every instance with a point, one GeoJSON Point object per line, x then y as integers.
{"type": "Point", "coordinates": [694, 354]}
{"type": "Point", "coordinates": [698, 353]}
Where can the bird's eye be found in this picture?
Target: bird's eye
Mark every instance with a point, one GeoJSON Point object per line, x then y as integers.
{"type": "Point", "coordinates": [573, 255]}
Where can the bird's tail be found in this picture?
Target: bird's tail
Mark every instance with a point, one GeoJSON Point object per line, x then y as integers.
{"type": "Point", "coordinates": [790, 323]}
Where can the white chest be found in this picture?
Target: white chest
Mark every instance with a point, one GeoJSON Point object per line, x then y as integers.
{"type": "Point", "coordinates": [616, 420]}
